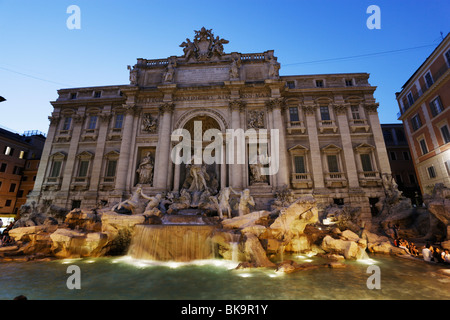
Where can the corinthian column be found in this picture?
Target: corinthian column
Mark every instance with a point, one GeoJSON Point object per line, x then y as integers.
{"type": "Point", "coordinates": [316, 160]}
{"type": "Point", "coordinates": [371, 111]}
{"type": "Point", "coordinates": [352, 174]}
{"type": "Point", "coordinates": [163, 161]}
{"type": "Point", "coordinates": [236, 170]}
{"type": "Point", "coordinates": [43, 164]}
{"type": "Point", "coordinates": [125, 149]}
{"type": "Point", "coordinates": [275, 106]}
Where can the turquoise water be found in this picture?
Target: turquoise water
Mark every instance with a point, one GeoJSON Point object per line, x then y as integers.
{"type": "Point", "coordinates": [124, 278]}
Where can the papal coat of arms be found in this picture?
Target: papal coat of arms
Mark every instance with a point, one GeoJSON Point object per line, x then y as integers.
{"type": "Point", "coordinates": [204, 46]}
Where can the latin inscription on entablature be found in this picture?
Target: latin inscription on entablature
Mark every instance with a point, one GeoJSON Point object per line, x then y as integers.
{"type": "Point", "coordinates": [205, 97]}
{"type": "Point", "coordinates": [202, 75]}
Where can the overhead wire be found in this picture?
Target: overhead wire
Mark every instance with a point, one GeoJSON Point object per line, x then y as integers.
{"type": "Point", "coordinates": [358, 56]}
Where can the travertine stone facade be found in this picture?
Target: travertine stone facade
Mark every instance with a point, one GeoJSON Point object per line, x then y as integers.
{"type": "Point", "coordinates": [330, 140]}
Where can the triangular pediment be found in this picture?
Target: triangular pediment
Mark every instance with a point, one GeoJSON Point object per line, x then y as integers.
{"type": "Point", "coordinates": [59, 155]}
{"type": "Point", "coordinates": [331, 148]}
{"type": "Point", "coordinates": [364, 147]}
{"type": "Point", "coordinates": [86, 155]}
{"type": "Point", "coordinates": [111, 154]}
{"type": "Point", "coordinates": [298, 147]}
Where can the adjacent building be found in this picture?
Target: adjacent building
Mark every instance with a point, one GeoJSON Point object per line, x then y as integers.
{"type": "Point", "coordinates": [19, 161]}
{"type": "Point", "coordinates": [424, 109]}
{"type": "Point", "coordinates": [329, 141]}
{"type": "Point", "coordinates": [402, 165]}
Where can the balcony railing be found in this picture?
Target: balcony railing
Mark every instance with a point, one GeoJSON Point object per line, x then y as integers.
{"type": "Point", "coordinates": [301, 180]}
{"type": "Point", "coordinates": [442, 70]}
{"type": "Point", "coordinates": [369, 178]}
{"type": "Point", "coordinates": [296, 126]}
{"type": "Point", "coordinates": [335, 179]}
{"type": "Point", "coordinates": [325, 125]}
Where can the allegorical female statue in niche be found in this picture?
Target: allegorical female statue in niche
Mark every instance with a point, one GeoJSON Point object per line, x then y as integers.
{"type": "Point", "coordinates": [145, 170]}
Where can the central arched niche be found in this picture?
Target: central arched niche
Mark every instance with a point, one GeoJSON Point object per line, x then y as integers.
{"type": "Point", "coordinates": [196, 125]}
{"type": "Point", "coordinates": [206, 123]}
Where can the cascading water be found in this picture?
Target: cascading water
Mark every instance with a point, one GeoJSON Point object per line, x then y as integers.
{"type": "Point", "coordinates": [170, 242]}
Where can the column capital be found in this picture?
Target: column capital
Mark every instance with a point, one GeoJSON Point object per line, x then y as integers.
{"type": "Point", "coordinates": [130, 108]}
{"type": "Point", "coordinates": [168, 107]}
{"type": "Point", "coordinates": [237, 105]}
{"type": "Point", "coordinates": [371, 107]}
{"type": "Point", "coordinates": [54, 120]}
{"type": "Point", "coordinates": [105, 117]}
{"type": "Point", "coordinates": [277, 103]}
{"type": "Point", "coordinates": [310, 109]}
{"type": "Point", "coordinates": [340, 108]}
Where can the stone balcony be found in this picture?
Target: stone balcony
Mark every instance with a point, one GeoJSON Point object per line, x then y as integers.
{"type": "Point", "coordinates": [296, 127]}
{"type": "Point", "coordinates": [369, 179]}
{"type": "Point", "coordinates": [327, 126]}
{"type": "Point", "coordinates": [359, 125]}
{"type": "Point", "coordinates": [52, 183]}
{"type": "Point", "coordinates": [301, 180]}
{"type": "Point", "coordinates": [335, 179]}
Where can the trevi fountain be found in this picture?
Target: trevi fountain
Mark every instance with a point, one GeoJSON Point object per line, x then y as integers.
{"type": "Point", "coordinates": [204, 244]}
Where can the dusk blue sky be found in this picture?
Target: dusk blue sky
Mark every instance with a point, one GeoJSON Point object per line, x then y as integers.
{"type": "Point", "coordinates": [40, 55]}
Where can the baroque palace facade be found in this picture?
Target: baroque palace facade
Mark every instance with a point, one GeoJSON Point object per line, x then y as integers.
{"type": "Point", "coordinates": [101, 139]}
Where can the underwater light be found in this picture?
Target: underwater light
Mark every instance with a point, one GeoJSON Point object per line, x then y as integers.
{"type": "Point", "coordinates": [367, 261]}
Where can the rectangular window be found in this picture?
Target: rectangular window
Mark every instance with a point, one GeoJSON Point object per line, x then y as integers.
{"type": "Point", "coordinates": [393, 155]}
{"type": "Point", "coordinates": [290, 84]}
{"type": "Point", "coordinates": [67, 122]}
{"type": "Point", "coordinates": [445, 134]}
{"type": "Point", "coordinates": [324, 113]}
{"type": "Point", "coordinates": [17, 170]}
{"type": "Point", "coordinates": [97, 94]}
{"type": "Point", "coordinates": [20, 194]}
{"type": "Point", "coordinates": [111, 168]}
{"type": "Point", "coordinates": [447, 166]}
{"type": "Point", "coordinates": [22, 154]}
{"type": "Point", "coordinates": [319, 83]}
{"type": "Point", "coordinates": [92, 122]}
{"type": "Point", "coordinates": [332, 163]}
{"type": "Point", "coordinates": [406, 155]}
{"type": "Point", "coordinates": [423, 146]}
{"type": "Point", "coordinates": [436, 107]}
{"type": "Point", "coordinates": [8, 151]}
{"type": "Point", "coordinates": [293, 114]}
{"type": "Point", "coordinates": [56, 169]}
{"type": "Point", "coordinates": [416, 122]}
{"type": "Point", "coordinates": [410, 99]}
{"type": "Point", "coordinates": [431, 172]}
{"type": "Point", "coordinates": [355, 112]}
{"type": "Point", "coordinates": [447, 55]}
{"type": "Point", "coordinates": [12, 187]}
{"type": "Point", "coordinates": [299, 164]}
{"type": "Point", "coordinates": [119, 121]}
{"type": "Point", "coordinates": [366, 163]}
{"type": "Point", "coordinates": [349, 83]}
{"type": "Point", "coordinates": [83, 168]}
{"type": "Point", "coordinates": [73, 95]}
{"type": "Point", "coordinates": [8, 203]}
{"type": "Point", "coordinates": [429, 79]}
{"type": "Point", "coordinates": [3, 167]}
